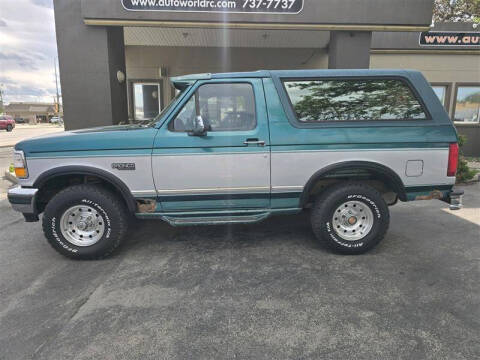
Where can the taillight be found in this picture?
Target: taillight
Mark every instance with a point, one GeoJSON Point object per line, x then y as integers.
{"type": "Point", "coordinates": [452, 159]}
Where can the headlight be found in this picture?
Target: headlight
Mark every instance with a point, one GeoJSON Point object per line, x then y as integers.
{"type": "Point", "coordinates": [20, 164]}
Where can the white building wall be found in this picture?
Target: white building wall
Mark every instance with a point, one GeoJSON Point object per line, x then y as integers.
{"type": "Point", "coordinates": [436, 67]}
{"type": "Point", "coordinates": [144, 62]}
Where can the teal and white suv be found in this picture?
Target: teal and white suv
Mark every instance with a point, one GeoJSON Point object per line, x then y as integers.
{"type": "Point", "coordinates": [239, 147]}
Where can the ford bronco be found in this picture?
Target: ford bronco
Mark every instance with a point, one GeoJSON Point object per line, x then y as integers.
{"type": "Point", "coordinates": [239, 147]}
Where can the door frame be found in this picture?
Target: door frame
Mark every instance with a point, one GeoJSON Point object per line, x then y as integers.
{"type": "Point", "coordinates": [131, 94]}
{"type": "Point", "coordinates": [169, 143]}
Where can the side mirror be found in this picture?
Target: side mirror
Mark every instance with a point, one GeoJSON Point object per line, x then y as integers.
{"type": "Point", "coordinates": [199, 128]}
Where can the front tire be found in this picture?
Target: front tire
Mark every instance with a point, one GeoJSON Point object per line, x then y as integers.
{"type": "Point", "coordinates": [9, 128]}
{"type": "Point", "coordinates": [350, 218]}
{"type": "Point", "coordinates": [85, 222]}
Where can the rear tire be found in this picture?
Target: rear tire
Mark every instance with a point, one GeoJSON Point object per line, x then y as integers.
{"type": "Point", "coordinates": [9, 128]}
{"type": "Point", "coordinates": [85, 222]}
{"type": "Point", "coordinates": [350, 218]}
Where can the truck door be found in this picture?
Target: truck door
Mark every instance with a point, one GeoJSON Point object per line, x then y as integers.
{"type": "Point", "coordinates": [227, 167]}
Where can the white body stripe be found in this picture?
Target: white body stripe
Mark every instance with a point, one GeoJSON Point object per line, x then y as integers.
{"type": "Point", "coordinates": [211, 173]}
{"type": "Point", "coordinates": [245, 172]}
{"type": "Point", "coordinates": [139, 179]}
{"type": "Point", "coordinates": [295, 168]}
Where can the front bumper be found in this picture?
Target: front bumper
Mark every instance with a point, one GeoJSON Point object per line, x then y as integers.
{"type": "Point", "coordinates": [23, 200]}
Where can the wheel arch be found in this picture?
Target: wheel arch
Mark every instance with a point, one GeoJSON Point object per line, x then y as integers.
{"type": "Point", "coordinates": [86, 171]}
{"type": "Point", "coordinates": [383, 172]}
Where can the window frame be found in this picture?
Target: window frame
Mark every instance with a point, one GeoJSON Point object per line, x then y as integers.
{"type": "Point", "coordinates": [197, 109]}
{"type": "Point", "coordinates": [293, 119]}
{"type": "Point", "coordinates": [454, 106]}
{"type": "Point", "coordinates": [131, 88]}
{"type": "Point", "coordinates": [448, 93]}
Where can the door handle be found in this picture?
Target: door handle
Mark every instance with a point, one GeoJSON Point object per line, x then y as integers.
{"type": "Point", "coordinates": [254, 142]}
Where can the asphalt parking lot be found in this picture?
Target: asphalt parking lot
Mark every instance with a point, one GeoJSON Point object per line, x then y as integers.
{"type": "Point", "coordinates": [263, 291]}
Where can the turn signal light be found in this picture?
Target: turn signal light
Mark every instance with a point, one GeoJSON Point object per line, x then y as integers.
{"type": "Point", "coordinates": [20, 164]}
{"type": "Point", "coordinates": [21, 173]}
{"type": "Point", "coordinates": [452, 159]}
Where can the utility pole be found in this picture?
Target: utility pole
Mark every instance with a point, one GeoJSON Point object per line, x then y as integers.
{"type": "Point", "coordinates": [1, 98]}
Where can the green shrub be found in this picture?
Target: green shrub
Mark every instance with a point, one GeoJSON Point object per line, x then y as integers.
{"type": "Point", "coordinates": [464, 173]}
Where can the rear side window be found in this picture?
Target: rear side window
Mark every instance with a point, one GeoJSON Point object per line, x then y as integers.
{"type": "Point", "coordinates": [316, 101]}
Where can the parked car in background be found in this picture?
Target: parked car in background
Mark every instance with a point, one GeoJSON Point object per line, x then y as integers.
{"type": "Point", "coordinates": [20, 120]}
{"type": "Point", "coordinates": [56, 120]}
{"type": "Point", "coordinates": [7, 123]}
{"type": "Point", "coordinates": [240, 147]}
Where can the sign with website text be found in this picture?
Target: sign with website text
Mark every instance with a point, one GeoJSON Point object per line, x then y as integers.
{"type": "Point", "coordinates": [435, 38]}
{"type": "Point", "coordinates": [224, 6]}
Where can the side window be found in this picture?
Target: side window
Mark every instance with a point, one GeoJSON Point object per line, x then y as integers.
{"type": "Point", "coordinates": [185, 118]}
{"type": "Point", "coordinates": [316, 101]}
{"type": "Point", "coordinates": [223, 107]}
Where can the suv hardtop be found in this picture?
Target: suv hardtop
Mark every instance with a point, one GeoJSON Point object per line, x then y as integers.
{"type": "Point", "coordinates": [239, 147]}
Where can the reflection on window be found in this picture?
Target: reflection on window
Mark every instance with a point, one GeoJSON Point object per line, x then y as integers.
{"type": "Point", "coordinates": [185, 119]}
{"type": "Point", "coordinates": [146, 98]}
{"type": "Point", "coordinates": [467, 108]}
{"type": "Point", "coordinates": [440, 91]}
{"type": "Point", "coordinates": [347, 100]}
{"type": "Point", "coordinates": [223, 107]}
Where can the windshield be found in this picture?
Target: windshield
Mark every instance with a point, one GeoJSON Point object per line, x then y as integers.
{"type": "Point", "coordinates": [153, 121]}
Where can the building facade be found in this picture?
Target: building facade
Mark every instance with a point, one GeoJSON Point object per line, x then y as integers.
{"type": "Point", "coordinates": [33, 112]}
{"type": "Point", "coordinates": [116, 55]}
{"type": "Point", "coordinates": [452, 70]}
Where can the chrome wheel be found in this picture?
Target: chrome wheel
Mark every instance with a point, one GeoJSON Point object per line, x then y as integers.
{"type": "Point", "coordinates": [352, 220]}
{"type": "Point", "coordinates": [82, 225]}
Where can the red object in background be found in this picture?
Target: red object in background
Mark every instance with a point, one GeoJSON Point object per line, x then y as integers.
{"type": "Point", "coordinates": [452, 159]}
{"type": "Point", "coordinates": [6, 123]}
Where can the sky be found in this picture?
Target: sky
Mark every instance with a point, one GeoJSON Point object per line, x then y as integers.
{"type": "Point", "coordinates": [27, 50]}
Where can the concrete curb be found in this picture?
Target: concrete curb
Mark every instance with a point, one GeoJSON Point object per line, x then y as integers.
{"type": "Point", "coordinates": [10, 177]}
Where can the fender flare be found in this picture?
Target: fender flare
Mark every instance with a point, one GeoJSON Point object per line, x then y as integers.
{"type": "Point", "coordinates": [380, 169]}
{"type": "Point", "coordinates": [118, 184]}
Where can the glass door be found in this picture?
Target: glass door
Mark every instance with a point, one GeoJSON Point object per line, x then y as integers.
{"type": "Point", "coordinates": [147, 98]}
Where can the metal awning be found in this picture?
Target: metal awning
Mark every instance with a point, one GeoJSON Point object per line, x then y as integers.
{"type": "Point", "coordinates": [207, 37]}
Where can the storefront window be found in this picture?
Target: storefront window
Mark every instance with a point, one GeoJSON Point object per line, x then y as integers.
{"type": "Point", "coordinates": [467, 106]}
{"type": "Point", "coordinates": [146, 98]}
{"type": "Point", "coordinates": [441, 92]}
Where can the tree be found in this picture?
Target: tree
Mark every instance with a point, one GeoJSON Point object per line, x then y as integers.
{"type": "Point", "coordinates": [456, 11]}
{"type": "Point", "coordinates": [353, 100]}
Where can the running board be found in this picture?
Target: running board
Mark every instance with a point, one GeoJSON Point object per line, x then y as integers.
{"type": "Point", "coordinates": [215, 220]}
{"type": "Point", "coordinates": [216, 217]}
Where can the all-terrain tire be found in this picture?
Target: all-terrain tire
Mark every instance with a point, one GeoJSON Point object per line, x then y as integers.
{"type": "Point", "coordinates": [330, 230]}
{"type": "Point", "coordinates": [108, 208]}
